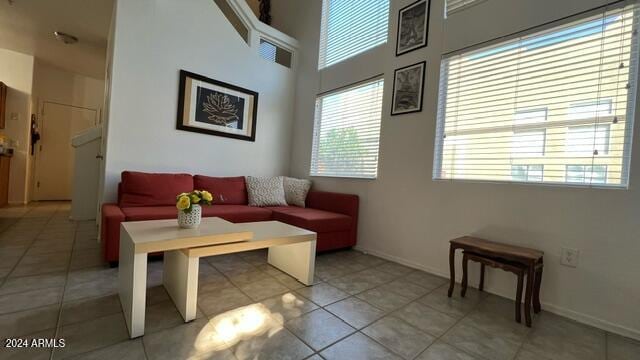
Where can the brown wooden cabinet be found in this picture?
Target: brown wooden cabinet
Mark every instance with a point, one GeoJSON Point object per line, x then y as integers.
{"type": "Point", "coordinates": [4, 179]}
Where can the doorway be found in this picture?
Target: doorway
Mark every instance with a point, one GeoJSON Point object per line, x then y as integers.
{"type": "Point", "coordinates": [54, 162]}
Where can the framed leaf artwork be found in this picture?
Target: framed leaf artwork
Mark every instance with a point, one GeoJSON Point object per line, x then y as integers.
{"type": "Point", "coordinates": [214, 107]}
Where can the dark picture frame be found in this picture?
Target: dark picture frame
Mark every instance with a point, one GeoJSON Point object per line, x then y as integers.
{"type": "Point", "coordinates": [408, 89]}
{"type": "Point", "coordinates": [413, 27]}
{"type": "Point", "coordinates": [213, 107]}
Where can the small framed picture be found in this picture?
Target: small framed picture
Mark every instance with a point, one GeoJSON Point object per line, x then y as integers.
{"type": "Point", "coordinates": [413, 27]}
{"type": "Point", "coordinates": [214, 107]}
{"type": "Point", "coordinates": [408, 85]}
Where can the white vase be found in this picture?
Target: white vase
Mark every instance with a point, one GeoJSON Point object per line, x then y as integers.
{"type": "Point", "coordinates": [192, 219]}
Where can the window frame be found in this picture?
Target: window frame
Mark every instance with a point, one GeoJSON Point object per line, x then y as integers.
{"type": "Point", "coordinates": [324, 34]}
{"type": "Point", "coordinates": [442, 173]}
{"type": "Point", "coordinates": [317, 128]}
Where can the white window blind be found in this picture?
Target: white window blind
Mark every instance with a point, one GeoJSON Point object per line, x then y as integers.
{"type": "Point", "coordinates": [267, 50]}
{"type": "Point", "coordinates": [559, 98]}
{"type": "Point", "coordinates": [346, 134]}
{"type": "Point", "coordinates": [350, 27]}
{"type": "Point", "coordinates": [456, 5]}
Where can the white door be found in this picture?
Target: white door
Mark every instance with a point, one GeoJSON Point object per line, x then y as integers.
{"type": "Point", "coordinates": [54, 157]}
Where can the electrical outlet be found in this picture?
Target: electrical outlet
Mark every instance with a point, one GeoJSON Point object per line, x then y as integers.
{"type": "Point", "coordinates": [569, 257]}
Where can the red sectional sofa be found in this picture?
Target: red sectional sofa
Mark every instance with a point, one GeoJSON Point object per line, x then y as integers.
{"type": "Point", "coordinates": [147, 196]}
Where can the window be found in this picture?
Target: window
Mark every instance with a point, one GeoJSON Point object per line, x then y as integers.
{"type": "Point", "coordinates": [346, 134]}
{"type": "Point", "coordinates": [558, 96]}
{"type": "Point", "coordinates": [351, 27]}
{"type": "Point", "coordinates": [456, 5]}
{"type": "Point", "coordinates": [274, 53]}
{"type": "Point", "coordinates": [585, 174]}
{"type": "Point", "coordinates": [585, 140]}
{"type": "Point", "coordinates": [527, 173]}
{"type": "Point", "coordinates": [267, 50]}
{"type": "Point", "coordinates": [591, 109]}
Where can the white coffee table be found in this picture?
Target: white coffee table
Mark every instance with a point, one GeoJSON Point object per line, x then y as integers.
{"type": "Point", "coordinates": [291, 249]}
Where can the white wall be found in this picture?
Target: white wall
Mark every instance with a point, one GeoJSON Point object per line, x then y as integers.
{"type": "Point", "coordinates": [406, 216]}
{"type": "Point", "coordinates": [16, 71]}
{"type": "Point", "coordinates": [54, 84]}
{"type": "Point", "coordinates": [153, 41]}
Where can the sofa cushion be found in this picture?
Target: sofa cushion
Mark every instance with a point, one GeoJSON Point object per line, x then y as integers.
{"type": "Point", "coordinates": [140, 213]}
{"type": "Point", "coordinates": [225, 190]}
{"type": "Point", "coordinates": [265, 191]}
{"type": "Point", "coordinates": [319, 221]}
{"type": "Point", "coordinates": [237, 213]}
{"type": "Point", "coordinates": [148, 189]}
{"type": "Point", "coordinates": [295, 191]}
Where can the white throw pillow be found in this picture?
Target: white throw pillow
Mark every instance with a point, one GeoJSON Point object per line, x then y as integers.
{"type": "Point", "coordinates": [265, 191]}
{"type": "Point", "coordinates": [295, 191]}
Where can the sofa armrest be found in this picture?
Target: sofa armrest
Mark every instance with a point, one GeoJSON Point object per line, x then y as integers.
{"type": "Point", "coordinates": [112, 216]}
{"type": "Point", "coordinates": [345, 204]}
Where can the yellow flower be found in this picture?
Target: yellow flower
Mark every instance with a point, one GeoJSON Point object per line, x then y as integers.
{"type": "Point", "coordinates": [183, 202]}
{"type": "Point", "coordinates": [195, 198]}
{"type": "Point", "coordinates": [207, 196]}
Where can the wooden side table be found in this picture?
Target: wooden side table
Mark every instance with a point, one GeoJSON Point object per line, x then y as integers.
{"type": "Point", "coordinates": [519, 260]}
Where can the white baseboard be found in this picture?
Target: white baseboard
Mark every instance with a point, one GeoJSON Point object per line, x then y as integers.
{"type": "Point", "coordinates": [552, 308]}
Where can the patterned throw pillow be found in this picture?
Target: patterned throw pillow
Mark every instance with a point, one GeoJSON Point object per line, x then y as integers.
{"type": "Point", "coordinates": [265, 191]}
{"type": "Point", "coordinates": [295, 191]}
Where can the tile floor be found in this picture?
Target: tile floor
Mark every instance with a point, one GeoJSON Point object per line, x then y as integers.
{"type": "Point", "coordinates": [53, 284]}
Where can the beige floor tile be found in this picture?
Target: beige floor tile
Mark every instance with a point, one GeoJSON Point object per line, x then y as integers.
{"type": "Point", "coordinates": [394, 269]}
{"type": "Point", "coordinates": [249, 277]}
{"type": "Point", "coordinates": [481, 343]}
{"type": "Point", "coordinates": [100, 287]}
{"type": "Point", "coordinates": [456, 307]}
{"type": "Point", "coordinates": [126, 350]}
{"type": "Point", "coordinates": [288, 306]}
{"type": "Point", "coordinates": [427, 281]}
{"type": "Point", "coordinates": [184, 342]}
{"type": "Point", "coordinates": [370, 260]}
{"type": "Point", "coordinates": [361, 281]}
{"type": "Point", "coordinates": [91, 335]}
{"type": "Point", "coordinates": [36, 282]}
{"type": "Point", "coordinates": [162, 316]}
{"type": "Point", "coordinates": [319, 328]}
{"type": "Point", "coordinates": [358, 347]}
{"type": "Point", "coordinates": [399, 337]}
{"type": "Point", "coordinates": [442, 351]}
{"type": "Point", "coordinates": [383, 299]}
{"type": "Point", "coordinates": [29, 300]}
{"type": "Point", "coordinates": [355, 312]}
{"type": "Point", "coordinates": [274, 344]}
{"type": "Point", "coordinates": [89, 309]}
{"type": "Point", "coordinates": [425, 318]}
{"type": "Point", "coordinates": [323, 294]}
{"type": "Point", "coordinates": [92, 274]}
{"type": "Point", "coordinates": [29, 353]}
{"type": "Point", "coordinates": [621, 348]}
{"type": "Point", "coordinates": [213, 303]}
{"type": "Point", "coordinates": [213, 283]}
{"type": "Point", "coordinates": [87, 258]}
{"type": "Point", "coordinates": [405, 288]}
{"type": "Point", "coordinates": [263, 289]}
{"type": "Point", "coordinates": [327, 272]}
{"type": "Point", "coordinates": [156, 294]}
{"type": "Point", "coordinates": [289, 281]}
{"type": "Point", "coordinates": [29, 321]}
{"type": "Point", "coordinates": [558, 338]}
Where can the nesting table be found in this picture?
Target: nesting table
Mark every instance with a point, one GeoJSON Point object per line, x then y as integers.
{"type": "Point", "coordinates": [516, 259]}
{"type": "Point", "coordinates": [291, 249]}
